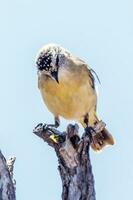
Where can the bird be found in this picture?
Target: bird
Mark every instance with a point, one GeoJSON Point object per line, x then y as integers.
{"type": "Point", "coordinates": [67, 86]}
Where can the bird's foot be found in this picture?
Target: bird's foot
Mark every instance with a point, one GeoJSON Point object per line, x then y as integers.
{"type": "Point", "coordinates": [55, 135]}
{"type": "Point", "coordinates": [96, 138]}
{"type": "Point", "coordinates": [89, 130]}
{"type": "Point", "coordinates": [38, 128]}
{"type": "Point", "coordinates": [43, 127]}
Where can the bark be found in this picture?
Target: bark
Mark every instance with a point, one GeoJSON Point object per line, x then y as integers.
{"type": "Point", "coordinates": [7, 188]}
{"type": "Point", "coordinates": [74, 161]}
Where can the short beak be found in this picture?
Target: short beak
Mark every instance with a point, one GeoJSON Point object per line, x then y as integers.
{"type": "Point", "coordinates": [55, 76]}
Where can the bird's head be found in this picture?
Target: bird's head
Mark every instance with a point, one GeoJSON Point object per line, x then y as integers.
{"type": "Point", "coordinates": [50, 59]}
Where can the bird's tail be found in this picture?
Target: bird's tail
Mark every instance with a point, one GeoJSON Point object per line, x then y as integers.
{"type": "Point", "coordinates": [101, 140]}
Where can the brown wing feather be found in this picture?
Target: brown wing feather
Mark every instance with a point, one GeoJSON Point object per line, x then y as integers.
{"type": "Point", "coordinates": [90, 71]}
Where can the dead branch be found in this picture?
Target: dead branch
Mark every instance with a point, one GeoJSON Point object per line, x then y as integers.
{"type": "Point", "coordinates": [7, 189]}
{"type": "Point", "coordinates": [74, 161]}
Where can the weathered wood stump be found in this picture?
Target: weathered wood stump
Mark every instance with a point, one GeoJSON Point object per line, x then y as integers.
{"type": "Point", "coordinates": [74, 161]}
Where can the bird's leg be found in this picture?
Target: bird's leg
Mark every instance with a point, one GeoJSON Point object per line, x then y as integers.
{"type": "Point", "coordinates": [95, 135]}
{"type": "Point", "coordinates": [55, 125]}
{"type": "Point", "coordinates": [89, 129]}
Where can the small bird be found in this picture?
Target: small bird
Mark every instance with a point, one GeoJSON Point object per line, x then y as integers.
{"type": "Point", "coordinates": [67, 86]}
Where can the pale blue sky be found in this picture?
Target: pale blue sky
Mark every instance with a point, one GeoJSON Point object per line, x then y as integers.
{"type": "Point", "coordinates": [100, 32]}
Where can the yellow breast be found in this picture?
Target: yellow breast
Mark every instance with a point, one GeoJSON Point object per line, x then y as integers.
{"type": "Point", "coordinates": [72, 98]}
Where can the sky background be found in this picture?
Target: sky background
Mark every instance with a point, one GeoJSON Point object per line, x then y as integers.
{"type": "Point", "coordinates": [101, 33]}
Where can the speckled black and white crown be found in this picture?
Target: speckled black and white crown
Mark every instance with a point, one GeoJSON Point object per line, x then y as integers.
{"type": "Point", "coordinates": [51, 55]}
{"type": "Point", "coordinates": [44, 61]}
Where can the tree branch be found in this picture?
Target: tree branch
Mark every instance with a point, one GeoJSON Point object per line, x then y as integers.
{"type": "Point", "coordinates": [7, 190]}
{"type": "Point", "coordinates": [74, 161]}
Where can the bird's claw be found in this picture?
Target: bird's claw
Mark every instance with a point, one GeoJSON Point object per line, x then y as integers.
{"type": "Point", "coordinates": [90, 132]}
{"type": "Point", "coordinates": [42, 127]}
{"type": "Point", "coordinates": [38, 128]}
{"type": "Point", "coordinates": [46, 127]}
{"type": "Point", "coordinates": [94, 136]}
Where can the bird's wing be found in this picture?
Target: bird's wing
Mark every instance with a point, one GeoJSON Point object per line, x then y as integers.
{"type": "Point", "coordinates": [90, 71]}
{"type": "Point", "coordinates": [91, 76]}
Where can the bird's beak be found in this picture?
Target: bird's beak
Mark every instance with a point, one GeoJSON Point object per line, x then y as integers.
{"type": "Point", "coordinates": [55, 76]}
